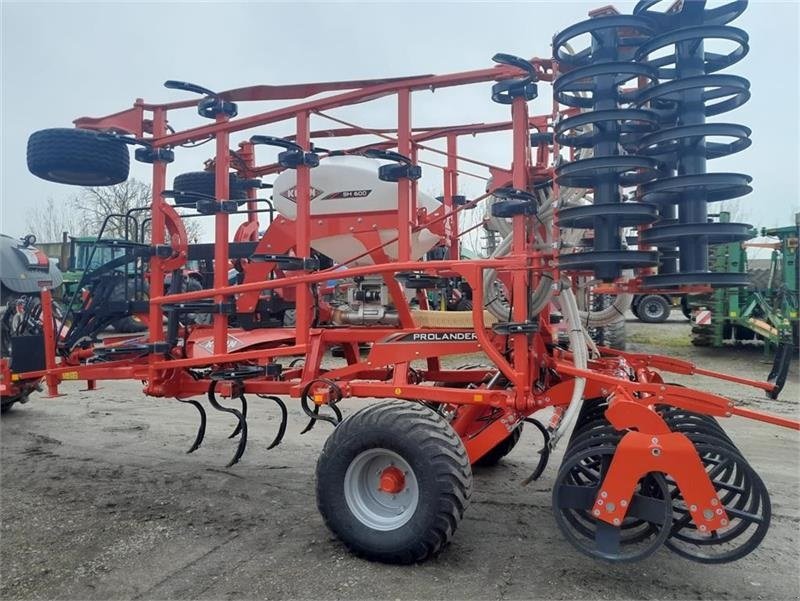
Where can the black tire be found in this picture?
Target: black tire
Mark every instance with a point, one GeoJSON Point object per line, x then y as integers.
{"type": "Point", "coordinates": [80, 157]}
{"type": "Point", "coordinates": [463, 304]}
{"type": "Point", "coordinates": [128, 325]}
{"type": "Point", "coordinates": [440, 467]}
{"type": "Point", "coordinates": [635, 307]}
{"type": "Point", "coordinates": [203, 183]}
{"type": "Point", "coordinates": [653, 308]}
{"type": "Point", "coordinates": [685, 308]}
{"type": "Point", "coordinates": [6, 405]}
{"type": "Point", "coordinates": [502, 449]}
{"type": "Point", "coordinates": [615, 335]}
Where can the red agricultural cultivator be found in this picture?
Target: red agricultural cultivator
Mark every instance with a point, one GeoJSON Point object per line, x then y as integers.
{"type": "Point", "coordinates": [354, 253]}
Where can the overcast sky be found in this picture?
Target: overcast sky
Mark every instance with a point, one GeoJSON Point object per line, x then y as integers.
{"type": "Point", "coordinates": [66, 60]}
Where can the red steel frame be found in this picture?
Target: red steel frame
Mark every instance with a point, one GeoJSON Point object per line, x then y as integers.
{"type": "Point", "coordinates": [538, 377]}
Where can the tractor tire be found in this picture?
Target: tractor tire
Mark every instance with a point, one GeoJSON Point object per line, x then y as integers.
{"type": "Point", "coordinates": [393, 481]}
{"type": "Point", "coordinates": [290, 318]}
{"type": "Point", "coordinates": [653, 308]}
{"type": "Point", "coordinates": [463, 304]}
{"type": "Point", "coordinates": [128, 325]}
{"type": "Point", "coordinates": [615, 335]}
{"type": "Point", "coordinates": [6, 405]}
{"type": "Point", "coordinates": [203, 184]}
{"type": "Point", "coordinates": [685, 308]}
{"type": "Point", "coordinates": [80, 157]}
{"type": "Point", "coordinates": [503, 448]}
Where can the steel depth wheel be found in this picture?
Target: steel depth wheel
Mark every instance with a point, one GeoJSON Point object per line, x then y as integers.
{"type": "Point", "coordinates": [393, 481]}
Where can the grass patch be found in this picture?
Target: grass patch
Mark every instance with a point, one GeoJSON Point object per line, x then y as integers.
{"type": "Point", "coordinates": [659, 339]}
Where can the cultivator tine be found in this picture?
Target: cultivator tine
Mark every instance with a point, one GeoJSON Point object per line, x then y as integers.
{"type": "Point", "coordinates": [312, 421]}
{"type": "Point", "coordinates": [544, 452]}
{"type": "Point", "coordinates": [238, 428]}
{"type": "Point", "coordinates": [212, 398]}
{"type": "Point", "coordinates": [284, 420]}
{"type": "Point", "coordinates": [201, 430]}
{"type": "Point", "coordinates": [313, 411]}
{"type": "Point", "coordinates": [780, 368]}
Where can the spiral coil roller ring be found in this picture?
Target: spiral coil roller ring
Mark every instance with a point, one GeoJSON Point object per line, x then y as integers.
{"type": "Point", "coordinates": [593, 79]}
{"type": "Point", "coordinates": [691, 90]}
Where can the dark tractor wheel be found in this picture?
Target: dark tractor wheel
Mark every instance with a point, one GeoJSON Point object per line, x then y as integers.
{"type": "Point", "coordinates": [685, 308]}
{"type": "Point", "coordinates": [463, 304]}
{"type": "Point", "coordinates": [615, 335]}
{"type": "Point", "coordinates": [6, 405]}
{"type": "Point", "coordinates": [80, 157]}
{"type": "Point", "coordinates": [393, 481]}
{"type": "Point", "coordinates": [203, 184]}
{"type": "Point", "coordinates": [128, 325]}
{"type": "Point", "coordinates": [653, 309]}
{"type": "Point", "coordinates": [505, 446]}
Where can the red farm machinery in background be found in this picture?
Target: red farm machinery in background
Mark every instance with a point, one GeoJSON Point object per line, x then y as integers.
{"type": "Point", "coordinates": [345, 262]}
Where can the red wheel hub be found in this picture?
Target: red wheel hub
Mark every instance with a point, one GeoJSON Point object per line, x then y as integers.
{"type": "Point", "coordinates": [392, 480]}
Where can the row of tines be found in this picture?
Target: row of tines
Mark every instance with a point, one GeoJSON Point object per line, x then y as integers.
{"type": "Point", "coordinates": [644, 86]}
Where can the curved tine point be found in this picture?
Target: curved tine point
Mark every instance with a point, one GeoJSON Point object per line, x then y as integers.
{"type": "Point", "coordinates": [311, 422]}
{"type": "Point", "coordinates": [201, 430]}
{"type": "Point", "coordinates": [242, 441]}
{"type": "Point", "coordinates": [338, 413]}
{"type": "Point", "coordinates": [284, 420]}
{"type": "Point", "coordinates": [212, 398]}
{"type": "Point", "coordinates": [244, 415]}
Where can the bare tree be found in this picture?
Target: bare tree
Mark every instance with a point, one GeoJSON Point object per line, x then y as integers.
{"type": "Point", "coordinates": [95, 204]}
{"type": "Point", "coordinates": [49, 222]}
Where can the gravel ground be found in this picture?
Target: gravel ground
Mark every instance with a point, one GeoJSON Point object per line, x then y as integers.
{"type": "Point", "coordinates": [99, 501]}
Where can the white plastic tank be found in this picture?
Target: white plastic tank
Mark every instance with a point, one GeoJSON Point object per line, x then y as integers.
{"type": "Point", "coordinates": [350, 185]}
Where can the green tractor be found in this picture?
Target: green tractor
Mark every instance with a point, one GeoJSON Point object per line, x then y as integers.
{"type": "Point", "coordinates": [767, 309]}
{"type": "Point", "coordinates": [87, 254]}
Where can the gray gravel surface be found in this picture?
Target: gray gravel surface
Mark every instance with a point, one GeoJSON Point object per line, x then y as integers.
{"type": "Point", "coordinates": [100, 501]}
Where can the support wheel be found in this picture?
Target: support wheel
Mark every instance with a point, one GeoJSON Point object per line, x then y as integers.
{"type": "Point", "coordinates": [653, 308]}
{"type": "Point", "coordinates": [79, 157]}
{"type": "Point", "coordinates": [502, 449]}
{"type": "Point", "coordinates": [197, 185]}
{"type": "Point", "coordinates": [393, 481]}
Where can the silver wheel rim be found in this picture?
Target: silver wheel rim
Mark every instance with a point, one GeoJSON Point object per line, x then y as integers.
{"type": "Point", "coordinates": [371, 505]}
{"type": "Point", "coordinates": [654, 310]}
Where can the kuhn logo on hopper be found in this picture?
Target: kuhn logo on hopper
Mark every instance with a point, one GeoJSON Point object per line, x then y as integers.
{"type": "Point", "coordinates": [291, 193]}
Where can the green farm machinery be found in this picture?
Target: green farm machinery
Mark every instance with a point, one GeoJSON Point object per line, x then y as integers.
{"type": "Point", "coordinates": [765, 310]}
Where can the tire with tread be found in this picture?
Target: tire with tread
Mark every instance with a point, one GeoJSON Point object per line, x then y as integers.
{"type": "Point", "coordinates": [79, 157]}
{"type": "Point", "coordinates": [203, 183]}
{"type": "Point", "coordinates": [440, 464]}
{"type": "Point", "coordinates": [653, 308]}
{"type": "Point", "coordinates": [615, 335]}
{"type": "Point", "coordinates": [503, 448]}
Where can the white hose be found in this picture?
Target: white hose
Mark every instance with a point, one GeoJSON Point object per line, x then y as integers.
{"type": "Point", "coordinates": [580, 359]}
